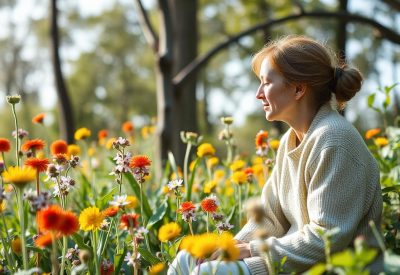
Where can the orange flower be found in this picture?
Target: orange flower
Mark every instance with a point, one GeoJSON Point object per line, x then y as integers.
{"type": "Point", "coordinates": [129, 220]}
{"type": "Point", "coordinates": [34, 144]}
{"type": "Point", "coordinates": [40, 165]}
{"type": "Point", "coordinates": [249, 171]}
{"type": "Point", "coordinates": [186, 206]}
{"type": "Point", "coordinates": [4, 145]}
{"type": "Point", "coordinates": [102, 134]}
{"type": "Point", "coordinates": [209, 204]}
{"type": "Point", "coordinates": [59, 147]}
{"type": "Point", "coordinates": [38, 118]}
{"type": "Point", "coordinates": [111, 211]}
{"type": "Point", "coordinates": [372, 132]}
{"type": "Point", "coordinates": [44, 241]}
{"type": "Point", "coordinates": [50, 218]}
{"type": "Point", "coordinates": [139, 161]}
{"type": "Point", "coordinates": [261, 138]}
{"type": "Point", "coordinates": [69, 223]}
{"type": "Point", "coordinates": [127, 127]}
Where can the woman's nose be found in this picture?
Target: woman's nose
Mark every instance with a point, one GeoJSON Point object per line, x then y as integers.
{"type": "Point", "coordinates": [259, 93]}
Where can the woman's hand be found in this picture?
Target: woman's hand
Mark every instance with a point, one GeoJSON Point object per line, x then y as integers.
{"type": "Point", "coordinates": [244, 251]}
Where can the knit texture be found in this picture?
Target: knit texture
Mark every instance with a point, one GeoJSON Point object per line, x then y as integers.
{"type": "Point", "coordinates": [329, 180]}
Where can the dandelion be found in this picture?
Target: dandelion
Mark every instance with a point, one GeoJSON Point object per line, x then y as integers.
{"type": "Point", "coordinates": [381, 141]}
{"type": "Point", "coordinates": [19, 176]}
{"type": "Point", "coordinates": [82, 133]}
{"type": "Point", "coordinates": [237, 165]}
{"type": "Point", "coordinates": [127, 127]}
{"type": "Point", "coordinates": [129, 221]}
{"type": "Point", "coordinates": [372, 132]}
{"type": "Point", "coordinates": [33, 145]}
{"type": "Point", "coordinates": [91, 219]}
{"type": "Point", "coordinates": [169, 231]}
{"type": "Point", "coordinates": [157, 268]}
{"type": "Point", "coordinates": [38, 119]}
{"type": "Point", "coordinates": [205, 149]}
{"type": "Point", "coordinates": [59, 147]}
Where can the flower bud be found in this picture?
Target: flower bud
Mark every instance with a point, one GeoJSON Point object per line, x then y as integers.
{"type": "Point", "coordinates": [13, 99]}
{"type": "Point", "coordinates": [227, 120]}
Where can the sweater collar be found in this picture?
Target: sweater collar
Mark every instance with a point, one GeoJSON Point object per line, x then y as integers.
{"type": "Point", "coordinates": [291, 148]}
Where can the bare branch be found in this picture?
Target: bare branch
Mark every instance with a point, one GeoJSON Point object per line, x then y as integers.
{"type": "Point", "coordinates": [147, 28]}
{"type": "Point", "coordinates": [200, 61]}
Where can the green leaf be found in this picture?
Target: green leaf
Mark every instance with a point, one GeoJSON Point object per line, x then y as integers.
{"type": "Point", "coordinates": [395, 188]}
{"type": "Point", "coordinates": [171, 159]}
{"type": "Point", "coordinates": [371, 99]}
{"type": "Point", "coordinates": [101, 202]}
{"type": "Point", "coordinates": [190, 183]}
{"type": "Point", "coordinates": [317, 269]}
{"type": "Point", "coordinates": [159, 215]}
{"type": "Point", "coordinates": [136, 189]}
{"type": "Point", "coordinates": [344, 258]}
{"type": "Point", "coordinates": [367, 255]}
{"type": "Point", "coordinates": [146, 254]}
{"type": "Point", "coordinates": [119, 260]}
{"type": "Point", "coordinates": [81, 244]}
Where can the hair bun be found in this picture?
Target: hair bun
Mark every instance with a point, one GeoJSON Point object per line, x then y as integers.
{"type": "Point", "coordinates": [348, 82]}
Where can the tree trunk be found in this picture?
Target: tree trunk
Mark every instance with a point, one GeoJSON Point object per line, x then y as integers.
{"type": "Point", "coordinates": [184, 14]}
{"type": "Point", "coordinates": [341, 37]}
{"type": "Point", "coordinates": [66, 118]}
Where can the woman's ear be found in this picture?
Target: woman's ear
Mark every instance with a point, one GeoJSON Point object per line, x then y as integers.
{"type": "Point", "coordinates": [300, 91]}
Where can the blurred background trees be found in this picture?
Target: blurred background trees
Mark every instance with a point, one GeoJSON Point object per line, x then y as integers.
{"type": "Point", "coordinates": [126, 61]}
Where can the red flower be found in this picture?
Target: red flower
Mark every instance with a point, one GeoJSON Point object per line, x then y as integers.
{"type": "Point", "coordinates": [59, 147]}
{"type": "Point", "coordinates": [261, 138]}
{"type": "Point", "coordinates": [102, 134]}
{"type": "Point", "coordinates": [4, 145]}
{"type": "Point", "coordinates": [107, 268]}
{"type": "Point", "coordinates": [111, 211]}
{"type": "Point", "coordinates": [34, 144]}
{"type": "Point", "coordinates": [127, 127]}
{"type": "Point", "coordinates": [69, 223]}
{"type": "Point", "coordinates": [40, 165]}
{"type": "Point", "coordinates": [249, 171]}
{"type": "Point", "coordinates": [186, 206]}
{"type": "Point", "coordinates": [139, 161]}
{"type": "Point", "coordinates": [38, 118]}
{"type": "Point", "coordinates": [209, 204]}
{"type": "Point", "coordinates": [50, 218]}
{"type": "Point", "coordinates": [44, 241]}
{"type": "Point", "coordinates": [129, 221]}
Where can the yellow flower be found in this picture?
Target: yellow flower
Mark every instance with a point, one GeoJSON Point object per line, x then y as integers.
{"type": "Point", "coordinates": [219, 174]}
{"type": "Point", "coordinates": [82, 133]}
{"type": "Point", "coordinates": [133, 202]}
{"type": "Point", "coordinates": [109, 143]}
{"type": "Point", "coordinates": [147, 131]}
{"type": "Point", "coordinates": [274, 144]}
{"type": "Point", "coordinates": [372, 132]}
{"type": "Point", "coordinates": [91, 218]}
{"type": "Point", "coordinates": [209, 186]}
{"type": "Point", "coordinates": [74, 150]}
{"type": "Point", "coordinates": [239, 177]}
{"type": "Point", "coordinates": [3, 206]}
{"type": "Point", "coordinates": [203, 246]}
{"type": "Point", "coordinates": [205, 149]}
{"type": "Point", "coordinates": [165, 189]}
{"type": "Point", "coordinates": [212, 162]}
{"type": "Point", "coordinates": [227, 245]}
{"type": "Point", "coordinates": [157, 268]}
{"type": "Point", "coordinates": [237, 165]}
{"type": "Point", "coordinates": [16, 246]}
{"type": "Point", "coordinates": [381, 141]}
{"type": "Point", "coordinates": [257, 160]}
{"type": "Point", "coordinates": [19, 176]}
{"type": "Point", "coordinates": [91, 151]}
{"type": "Point", "coordinates": [169, 231]}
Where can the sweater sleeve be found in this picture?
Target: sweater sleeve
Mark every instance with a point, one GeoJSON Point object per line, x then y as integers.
{"type": "Point", "coordinates": [275, 221]}
{"type": "Point", "coordinates": [336, 197]}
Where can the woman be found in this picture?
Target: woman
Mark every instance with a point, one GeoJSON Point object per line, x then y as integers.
{"type": "Point", "coordinates": [324, 176]}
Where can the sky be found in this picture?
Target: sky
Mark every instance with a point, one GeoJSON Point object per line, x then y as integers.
{"type": "Point", "coordinates": [245, 103]}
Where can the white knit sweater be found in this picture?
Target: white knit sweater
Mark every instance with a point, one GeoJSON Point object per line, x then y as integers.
{"type": "Point", "coordinates": [329, 180]}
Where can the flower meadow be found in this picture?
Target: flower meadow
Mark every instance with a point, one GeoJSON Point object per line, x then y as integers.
{"type": "Point", "coordinates": [99, 207]}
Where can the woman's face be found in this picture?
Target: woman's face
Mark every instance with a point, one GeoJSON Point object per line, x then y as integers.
{"type": "Point", "coordinates": [278, 97]}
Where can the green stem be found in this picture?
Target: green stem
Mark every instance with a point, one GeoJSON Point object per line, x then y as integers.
{"type": "Point", "coordinates": [54, 263]}
{"type": "Point", "coordinates": [22, 228]}
{"type": "Point", "coordinates": [64, 251]}
{"type": "Point", "coordinates": [4, 160]}
{"type": "Point", "coordinates": [96, 260]}
{"type": "Point", "coordinates": [8, 238]}
{"type": "Point", "coordinates": [16, 135]}
{"type": "Point", "coordinates": [5, 246]}
{"type": "Point", "coordinates": [208, 217]}
{"type": "Point", "coordinates": [185, 166]}
{"type": "Point", "coordinates": [240, 205]}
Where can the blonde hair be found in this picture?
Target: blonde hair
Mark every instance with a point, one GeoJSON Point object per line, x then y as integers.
{"type": "Point", "coordinates": [302, 60]}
